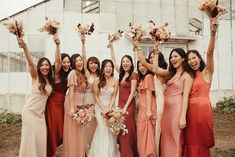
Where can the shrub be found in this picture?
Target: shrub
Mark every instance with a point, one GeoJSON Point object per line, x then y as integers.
{"type": "Point", "coordinates": [226, 105]}
{"type": "Point", "coordinates": [9, 118]}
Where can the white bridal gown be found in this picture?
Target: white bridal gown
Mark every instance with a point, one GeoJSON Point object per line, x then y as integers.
{"type": "Point", "coordinates": [104, 143]}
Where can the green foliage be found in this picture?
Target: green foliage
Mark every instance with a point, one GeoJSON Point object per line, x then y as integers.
{"type": "Point", "coordinates": [219, 153]}
{"type": "Point", "coordinates": [9, 118]}
{"type": "Point", "coordinates": [227, 105]}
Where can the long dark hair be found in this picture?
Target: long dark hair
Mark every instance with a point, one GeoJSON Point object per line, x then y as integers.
{"type": "Point", "coordinates": [172, 70]}
{"type": "Point", "coordinates": [81, 76]}
{"type": "Point", "coordinates": [96, 61]}
{"type": "Point", "coordinates": [41, 79]}
{"type": "Point", "coordinates": [63, 74]}
{"type": "Point", "coordinates": [122, 71]}
{"type": "Point", "coordinates": [161, 60]}
{"type": "Point", "coordinates": [141, 76]}
{"type": "Point", "coordinates": [202, 63]}
{"type": "Point", "coordinates": [102, 80]}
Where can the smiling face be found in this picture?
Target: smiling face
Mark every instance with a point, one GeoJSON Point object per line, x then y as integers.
{"type": "Point", "coordinates": [151, 56]}
{"type": "Point", "coordinates": [108, 69]}
{"type": "Point", "coordinates": [45, 68]}
{"type": "Point", "coordinates": [194, 61]}
{"type": "Point", "coordinates": [176, 60]}
{"type": "Point", "coordinates": [143, 70]}
{"type": "Point", "coordinates": [126, 64]}
{"type": "Point", "coordinates": [92, 66]}
{"type": "Point", "coordinates": [79, 63]}
{"type": "Point", "coordinates": [66, 64]}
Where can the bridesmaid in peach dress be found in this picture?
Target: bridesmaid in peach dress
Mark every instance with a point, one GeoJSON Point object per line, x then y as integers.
{"type": "Point", "coordinates": [73, 141]}
{"type": "Point", "coordinates": [146, 121]}
{"type": "Point", "coordinates": [178, 86]}
{"type": "Point", "coordinates": [199, 115]}
{"type": "Point", "coordinates": [34, 130]}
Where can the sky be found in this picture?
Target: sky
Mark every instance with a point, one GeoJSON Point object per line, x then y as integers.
{"type": "Point", "coordinates": [9, 7]}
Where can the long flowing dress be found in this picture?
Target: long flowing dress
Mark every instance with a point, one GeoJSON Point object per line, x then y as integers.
{"type": "Point", "coordinates": [89, 99]}
{"type": "Point", "coordinates": [128, 142]}
{"type": "Point", "coordinates": [199, 131]}
{"type": "Point", "coordinates": [73, 138]}
{"type": "Point", "coordinates": [104, 143]}
{"type": "Point", "coordinates": [34, 130]}
{"type": "Point", "coordinates": [171, 137]}
{"type": "Point", "coordinates": [159, 87]}
{"type": "Point", "coordinates": [146, 127]}
{"type": "Point", "coordinates": [55, 117]}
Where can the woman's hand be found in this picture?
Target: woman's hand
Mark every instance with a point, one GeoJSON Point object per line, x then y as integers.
{"type": "Point", "coordinates": [182, 122]}
{"type": "Point", "coordinates": [71, 112]}
{"type": "Point", "coordinates": [214, 25]}
{"type": "Point", "coordinates": [135, 44]}
{"type": "Point", "coordinates": [21, 43]}
{"type": "Point", "coordinates": [149, 114]}
{"type": "Point", "coordinates": [83, 38]}
{"type": "Point", "coordinates": [56, 39]}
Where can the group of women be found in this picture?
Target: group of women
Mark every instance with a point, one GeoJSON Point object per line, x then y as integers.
{"type": "Point", "coordinates": [174, 112]}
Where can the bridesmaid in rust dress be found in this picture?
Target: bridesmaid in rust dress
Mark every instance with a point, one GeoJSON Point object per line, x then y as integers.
{"type": "Point", "coordinates": [55, 104]}
{"type": "Point", "coordinates": [126, 101]}
{"type": "Point", "coordinates": [199, 131]}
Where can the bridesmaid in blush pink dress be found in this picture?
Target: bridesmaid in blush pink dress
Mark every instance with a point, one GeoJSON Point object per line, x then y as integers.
{"type": "Point", "coordinates": [178, 86]}
{"type": "Point", "coordinates": [73, 141]}
{"type": "Point", "coordinates": [127, 87]}
{"type": "Point", "coordinates": [146, 121]}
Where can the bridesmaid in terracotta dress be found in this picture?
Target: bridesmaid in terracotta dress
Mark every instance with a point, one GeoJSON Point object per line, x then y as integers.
{"type": "Point", "coordinates": [126, 101]}
{"type": "Point", "coordinates": [55, 103]}
{"type": "Point", "coordinates": [199, 130]}
{"type": "Point", "coordinates": [147, 114]}
{"type": "Point", "coordinates": [92, 69]}
{"type": "Point", "coordinates": [158, 83]}
{"type": "Point", "coordinates": [73, 138]}
{"type": "Point", "coordinates": [34, 131]}
{"type": "Point", "coordinates": [178, 85]}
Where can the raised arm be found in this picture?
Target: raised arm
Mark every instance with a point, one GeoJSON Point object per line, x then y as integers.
{"type": "Point", "coordinates": [141, 57]}
{"type": "Point", "coordinates": [112, 101]}
{"type": "Point", "coordinates": [97, 98]}
{"type": "Point", "coordinates": [156, 69]}
{"type": "Point", "coordinates": [209, 69]}
{"type": "Point", "coordinates": [32, 68]}
{"type": "Point", "coordinates": [58, 60]}
{"type": "Point", "coordinates": [113, 57]}
{"type": "Point", "coordinates": [188, 81]}
{"type": "Point", "coordinates": [83, 39]}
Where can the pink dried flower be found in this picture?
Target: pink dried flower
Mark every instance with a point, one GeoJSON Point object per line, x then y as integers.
{"type": "Point", "coordinates": [136, 32]}
{"type": "Point", "coordinates": [86, 29]}
{"type": "Point", "coordinates": [15, 27]}
{"type": "Point", "coordinates": [114, 37]}
{"type": "Point", "coordinates": [211, 8]}
{"type": "Point", "coordinates": [51, 26]}
{"type": "Point", "coordinates": [159, 34]}
{"type": "Point", "coordinates": [115, 121]}
{"type": "Point", "coordinates": [84, 115]}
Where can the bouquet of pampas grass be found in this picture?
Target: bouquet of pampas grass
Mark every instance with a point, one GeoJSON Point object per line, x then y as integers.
{"type": "Point", "coordinates": [159, 34]}
{"type": "Point", "coordinates": [136, 33]}
{"type": "Point", "coordinates": [86, 29]}
{"type": "Point", "coordinates": [114, 37]}
{"type": "Point", "coordinates": [51, 26]}
{"type": "Point", "coordinates": [212, 9]}
{"type": "Point", "coordinates": [15, 27]}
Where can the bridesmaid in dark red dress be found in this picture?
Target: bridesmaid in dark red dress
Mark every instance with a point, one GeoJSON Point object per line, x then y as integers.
{"type": "Point", "coordinates": [199, 131]}
{"type": "Point", "coordinates": [126, 101]}
{"type": "Point", "coordinates": [55, 104]}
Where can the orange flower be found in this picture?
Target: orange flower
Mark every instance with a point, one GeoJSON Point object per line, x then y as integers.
{"type": "Point", "coordinates": [15, 27]}
{"type": "Point", "coordinates": [51, 26]}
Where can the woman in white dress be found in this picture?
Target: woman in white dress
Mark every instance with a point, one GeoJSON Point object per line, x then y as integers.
{"type": "Point", "coordinates": [104, 143]}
